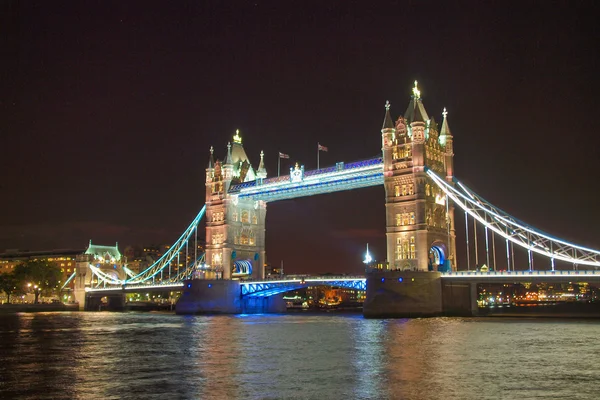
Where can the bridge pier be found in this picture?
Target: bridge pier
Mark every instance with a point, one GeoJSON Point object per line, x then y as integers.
{"type": "Point", "coordinates": [114, 302]}
{"type": "Point", "coordinates": [403, 294]}
{"type": "Point", "coordinates": [409, 294]}
{"type": "Point", "coordinates": [459, 298]}
{"type": "Point", "coordinates": [222, 296]}
{"type": "Point", "coordinates": [202, 296]}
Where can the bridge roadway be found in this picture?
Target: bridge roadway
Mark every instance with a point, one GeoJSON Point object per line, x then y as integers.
{"type": "Point", "coordinates": [342, 176]}
{"type": "Point", "coordinates": [591, 276]}
{"type": "Point", "coordinates": [249, 288]}
{"type": "Point", "coordinates": [277, 285]}
{"type": "Point", "coordinates": [390, 293]}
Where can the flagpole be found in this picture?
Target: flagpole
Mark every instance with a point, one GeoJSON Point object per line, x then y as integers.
{"type": "Point", "coordinates": [317, 156]}
{"type": "Point", "coordinates": [278, 164]}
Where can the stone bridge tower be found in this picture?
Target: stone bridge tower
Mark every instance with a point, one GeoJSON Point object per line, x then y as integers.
{"type": "Point", "coordinates": [235, 227]}
{"type": "Point", "coordinates": [419, 220]}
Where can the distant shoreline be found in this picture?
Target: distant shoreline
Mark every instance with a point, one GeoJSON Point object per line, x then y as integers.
{"type": "Point", "coordinates": [17, 308]}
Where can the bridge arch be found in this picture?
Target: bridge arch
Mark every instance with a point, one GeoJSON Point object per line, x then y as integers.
{"type": "Point", "coordinates": [272, 288]}
{"type": "Point", "coordinates": [437, 256]}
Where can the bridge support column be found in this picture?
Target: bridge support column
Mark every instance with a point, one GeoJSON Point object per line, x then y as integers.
{"type": "Point", "coordinates": [81, 268]}
{"type": "Point", "coordinates": [262, 305]}
{"type": "Point", "coordinates": [114, 302]}
{"type": "Point", "coordinates": [201, 296]}
{"type": "Point", "coordinates": [403, 294]}
{"type": "Point", "coordinates": [459, 298]}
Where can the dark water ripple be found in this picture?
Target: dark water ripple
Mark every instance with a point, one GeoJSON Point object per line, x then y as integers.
{"type": "Point", "coordinates": [160, 356]}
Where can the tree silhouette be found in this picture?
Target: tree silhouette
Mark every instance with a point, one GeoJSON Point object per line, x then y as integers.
{"type": "Point", "coordinates": [44, 276]}
{"type": "Point", "coordinates": [10, 284]}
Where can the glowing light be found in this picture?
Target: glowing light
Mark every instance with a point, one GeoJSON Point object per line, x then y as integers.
{"type": "Point", "coordinates": [416, 91]}
{"type": "Point", "coordinates": [368, 257]}
{"type": "Point", "coordinates": [440, 199]}
{"type": "Point", "coordinates": [237, 138]}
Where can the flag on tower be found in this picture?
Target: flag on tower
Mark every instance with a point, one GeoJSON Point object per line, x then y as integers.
{"type": "Point", "coordinates": [281, 155]}
{"type": "Point", "coordinates": [321, 147]}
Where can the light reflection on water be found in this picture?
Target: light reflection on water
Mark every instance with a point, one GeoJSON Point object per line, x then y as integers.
{"type": "Point", "coordinates": [158, 356]}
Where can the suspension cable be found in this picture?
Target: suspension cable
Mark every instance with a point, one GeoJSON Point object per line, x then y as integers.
{"type": "Point", "coordinates": [467, 234]}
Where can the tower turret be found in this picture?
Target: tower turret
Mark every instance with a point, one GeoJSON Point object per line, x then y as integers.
{"type": "Point", "coordinates": [388, 138]}
{"type": "Point", "coordinates": [262, 171]}
{"type": "Point", "coordinates": [227, 169]}
{"type": "Point", "coordinates": [420, 229]}
{"type": "Point", "coordinates": [211, 179]}
{"type": "Point", "coordinates": [211, 160]}
{"type": "Point", "coordinates": [446, 140]}
{"type": "Point", "coordinates": [416, 116]}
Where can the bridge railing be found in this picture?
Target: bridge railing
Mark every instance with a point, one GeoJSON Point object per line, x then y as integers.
{"type": "Point", "coordinates": [321, 171]}
{"type": "Point", "coordinates": [522, 273]}
{"type": "Point", "coordinates": [306, 278]}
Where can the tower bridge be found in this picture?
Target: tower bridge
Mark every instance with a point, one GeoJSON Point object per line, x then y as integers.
{"type": "Point", "coordinates": [416, 169]}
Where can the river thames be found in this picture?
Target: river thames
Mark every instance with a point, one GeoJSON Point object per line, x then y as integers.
{"type": "Point", "coordinates": [301, 356]}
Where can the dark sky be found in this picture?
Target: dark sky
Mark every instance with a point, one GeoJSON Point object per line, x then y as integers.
{"type": "Point", "coordinates": [108, 109]}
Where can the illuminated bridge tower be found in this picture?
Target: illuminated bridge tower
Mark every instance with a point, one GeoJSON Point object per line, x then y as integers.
{"type": "Point", "coordinates": [419, 222]}
{"type": "Point", "coordinates": [235, 228]}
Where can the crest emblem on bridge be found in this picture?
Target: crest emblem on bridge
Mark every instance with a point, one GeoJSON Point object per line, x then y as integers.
{"type": "Point", "coordinates": [297, 174]}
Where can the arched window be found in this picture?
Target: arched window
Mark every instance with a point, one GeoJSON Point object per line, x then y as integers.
{"type": "Point", "coordinates": [254, 219]}
{"type": "Point", "coordinates": [245, 217]}
{"type": "Point", "coordinates": [405, 219]}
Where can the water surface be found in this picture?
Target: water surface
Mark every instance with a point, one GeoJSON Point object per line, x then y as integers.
{"type": "Point", "coordinates": [160, 356]}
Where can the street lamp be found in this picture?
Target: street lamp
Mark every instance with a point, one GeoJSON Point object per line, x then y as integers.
{"type": "Point", "coordinates": [368, 259]}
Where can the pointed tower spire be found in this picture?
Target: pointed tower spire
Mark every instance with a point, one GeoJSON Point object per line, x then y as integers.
{"type": "Point", "coordinates": [211, 160]}
{"type": "Point", "coordinates": [237, 138]}
{"type": "Point", "coordinates": [445, 129]}
{"type": "Point", "coordinates": [262, 171]}
{"type": "Point", "coordinates": [416, 111]}
{"type": "Point", "coordinates": [228, 160]}
{"type": "Point", "coordinates": [387, 121]}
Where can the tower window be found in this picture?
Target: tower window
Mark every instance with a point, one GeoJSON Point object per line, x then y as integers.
{"type": "Point", "coordinates": [403, 190]}
{"type": "Point", "coordinates": [397, 190]}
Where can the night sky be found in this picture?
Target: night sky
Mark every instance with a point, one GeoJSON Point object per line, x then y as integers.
{"type": "Point", "coordinates": [108, 111]}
